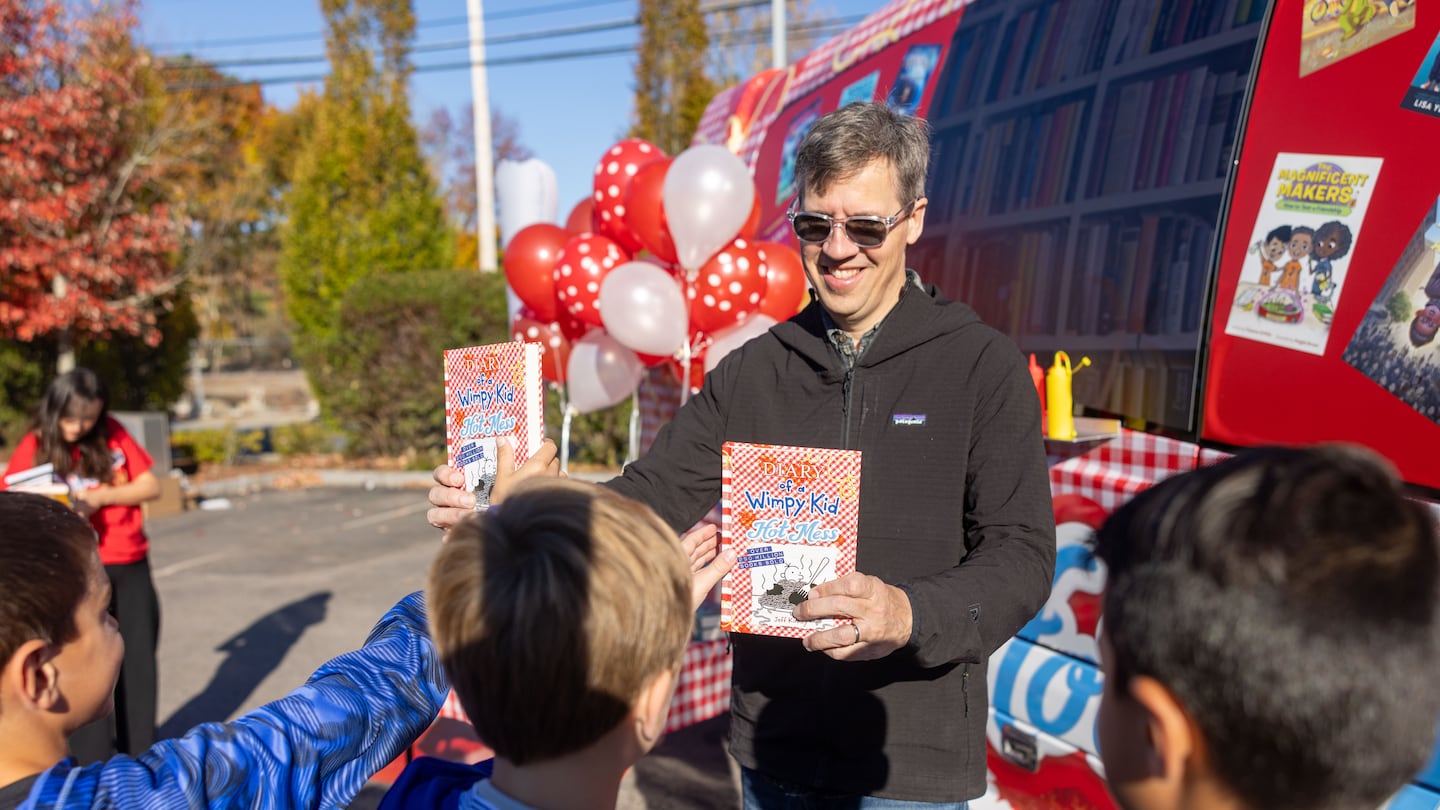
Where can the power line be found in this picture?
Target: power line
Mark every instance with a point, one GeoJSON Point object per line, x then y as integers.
{"type": "Point", "coordinates": [311, 36]}
{"type": "Point", "coordinates": [271, 39]}
{"type": "Point", "coordinates": [453, 45]}
{"type": "Point", "coordinates": [746, 37]}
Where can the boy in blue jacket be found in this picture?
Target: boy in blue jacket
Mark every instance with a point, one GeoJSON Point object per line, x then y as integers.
{"type": "Point", "coordinates": [61, 650]}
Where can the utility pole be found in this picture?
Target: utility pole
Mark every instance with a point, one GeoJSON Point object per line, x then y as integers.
{"type": "Point", "coordinates": [484, 167]}
{"type": "Point", "coordinates": [777, 33]}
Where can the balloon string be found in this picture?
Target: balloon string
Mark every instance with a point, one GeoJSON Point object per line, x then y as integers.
{"type": "Point", "coordinates": [685, 352]}
{"type": "Point", "coordinates": [633, 452]}
{"type": "Point", "coordinates": [565, 438]}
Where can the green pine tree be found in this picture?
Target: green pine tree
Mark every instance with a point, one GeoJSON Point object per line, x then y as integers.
{"type": "Point", "coordinates": [671, 85]}
{"type": "Point", "coordinates": [362, 200]}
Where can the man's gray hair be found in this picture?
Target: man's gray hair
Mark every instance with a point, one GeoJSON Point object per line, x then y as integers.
{"type": "Point", "coordinates": [844, 142]}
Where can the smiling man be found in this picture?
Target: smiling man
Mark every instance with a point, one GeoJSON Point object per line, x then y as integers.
{"type": "Point", "coordinates": [956, 544]}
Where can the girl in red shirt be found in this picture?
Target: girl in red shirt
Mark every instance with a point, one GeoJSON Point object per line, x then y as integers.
{"type": "Point", "coordinates": [109, 476]}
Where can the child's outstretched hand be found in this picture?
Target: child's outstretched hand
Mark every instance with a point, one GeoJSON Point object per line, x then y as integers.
{"type": "Point", "coordinates": [450, 501]}
{"type": "Point", "coordinates": [707, 563]}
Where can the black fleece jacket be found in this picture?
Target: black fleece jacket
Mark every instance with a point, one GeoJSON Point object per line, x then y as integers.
{"type": "Point", "coordinates": [954, 509]}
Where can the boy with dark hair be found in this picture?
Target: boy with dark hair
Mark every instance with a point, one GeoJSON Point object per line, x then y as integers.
{"type": "Point", "coordinates": [60, 653]}
{"type": "Point", "coordinates": [1270, 636]}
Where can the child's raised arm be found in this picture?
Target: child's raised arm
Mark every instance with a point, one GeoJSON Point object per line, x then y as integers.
{"type": "Point", "coordinates": [314, 748]}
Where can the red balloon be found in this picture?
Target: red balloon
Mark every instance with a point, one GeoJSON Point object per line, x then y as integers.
{"type": "Point", "coordinates": [652, 360]}
{"type": "Point", "coordinates": [572, 327]}
{"type": "Point", "coordinates": [582, 217]}
{"type": "Point", "coordinates": [697, 371]}
{"type": "Point", "coordinates": [747, 231]}
{"type": "Point", "coordinates": [784, 283]}
{"type": "Point", "coordinates": [613, 175]}
{"type": "Point", "coordinates": [583, 264]}
{"type": "Point", "coordinates": [645, 210]}
{"type": "Point", "coordinates": [554, 346]}
{"type": "Point", "coordinates": [530, 264]}
{"type": "Point", "coordinates": [728, 287]}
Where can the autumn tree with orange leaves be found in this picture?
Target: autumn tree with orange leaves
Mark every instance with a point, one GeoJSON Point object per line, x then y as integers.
{"type": "Point", "coordinates": [86, 239]}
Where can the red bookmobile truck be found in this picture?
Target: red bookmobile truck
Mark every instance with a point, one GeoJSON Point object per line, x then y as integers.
{"type": "Point", "coordinates": [1229, 206]}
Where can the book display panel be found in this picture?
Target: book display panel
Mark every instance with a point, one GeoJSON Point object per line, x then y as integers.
{"type": "Point", "coordinates": [1082, 149]}
{"type": "Point", "coordinates": [1327, 290]}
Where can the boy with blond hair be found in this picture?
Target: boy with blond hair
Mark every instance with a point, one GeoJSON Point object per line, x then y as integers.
{"type": "Point", "coordinates": [561, 617]}
{"type": "Point", "coordinates": [1270, 636]}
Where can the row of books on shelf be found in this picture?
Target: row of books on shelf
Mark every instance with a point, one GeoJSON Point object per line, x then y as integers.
{"type": "Point", "coordinates": [1022, 161]}
{"type": "Point", "coordinates": [1048, 43]}
{"type": "Point", "coordinates": [1155, 386]}
{"type": "Point", "coordinates": [1002, 277]}
{"type": "Point", "coordinates": [1176, 22]}
{"type": "Point", "coordinates": [1167, 130]}
{"type": "Point", "coordinates": [1144, 275]}
{"type": "Point", "coordinates": [1031, 51]}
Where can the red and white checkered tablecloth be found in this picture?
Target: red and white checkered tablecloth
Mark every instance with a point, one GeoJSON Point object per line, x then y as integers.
{"type": "Point", "coordinates": [704, 688]}
{"type": "Point", "coordinates": [1112, 472]}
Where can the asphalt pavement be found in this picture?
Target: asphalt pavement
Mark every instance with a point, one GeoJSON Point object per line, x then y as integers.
{"type": "Point", "coordinates": [255, 596]}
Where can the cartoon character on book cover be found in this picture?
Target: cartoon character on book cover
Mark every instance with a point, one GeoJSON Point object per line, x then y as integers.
{"type": "Point", "coordinates": [1332, 30]}
{"type": "Point", "coordinates": [491, 392]}
{"type": "Point", "coordinates": [1424, 93]}
{"type": "Point", "coordinates": [792, 515]}
{"type": "Point", "coordinates": [1395, 344]}
{"type": "Point", "coordinates": [1304, 235]}
{"type": "Point", "coordinates": [794, 134]}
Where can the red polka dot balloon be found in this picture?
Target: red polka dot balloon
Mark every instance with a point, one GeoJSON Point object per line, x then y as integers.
{"type": "Point", "coordinates": [582, 265]}
{"type": "Point", "coordinates": [728, 287]}
{"type": "Point", "coordinates": [612, 182]}
{"type": "Point", "coordinates": [554, 346]}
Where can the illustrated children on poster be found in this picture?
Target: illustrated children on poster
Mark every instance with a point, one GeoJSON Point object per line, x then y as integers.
{"type": "Point", "coordinates": [1294, 270]}
{"type": "Point", "coordinates": [1395, 345]}
{"type": "Point", "coordinates": [1424, 93]}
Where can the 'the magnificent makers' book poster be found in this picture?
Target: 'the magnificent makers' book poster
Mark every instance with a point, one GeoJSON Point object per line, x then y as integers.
{"type": "Point", "coordinates": [791, 514]}
{"type": "Point", "coordinates": [492, 391]}
{"type": "Point", "coordinates": [1299, 251]}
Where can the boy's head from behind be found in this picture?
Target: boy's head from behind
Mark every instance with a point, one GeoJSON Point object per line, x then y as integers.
{"type": "Point", "coordinates": [1270, 635]}
{"type": "Point", "coordinates": [59, 646]}
{"type": "Point", "coordinates": [555, 612]}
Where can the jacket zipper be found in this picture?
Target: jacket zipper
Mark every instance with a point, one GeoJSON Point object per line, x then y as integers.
{"type": "Point", "coordinates": [845, 420]}
{"type": "Point", "coordinates": [965, 686]}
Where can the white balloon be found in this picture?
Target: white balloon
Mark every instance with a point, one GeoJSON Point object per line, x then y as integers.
{"type": "Point", "coordinates": [601, 372]}
{"type": "Point", "coordinates": [524, 195]}
{"type": "Point", "coordinates": [708, 195]}
{"type": "Point", "coordinates": [643, 308]}
{"type": "Point", "coordinates": [729, 339]}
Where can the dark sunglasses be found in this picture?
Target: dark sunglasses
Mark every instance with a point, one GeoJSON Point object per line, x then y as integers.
{"type": "Point", "coordinates": [866, 230]}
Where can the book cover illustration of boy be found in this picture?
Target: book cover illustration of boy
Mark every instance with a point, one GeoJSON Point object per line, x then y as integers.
{"type": "Point", "coordinates": [1332, 30]}
{"type": "Point", "coordinates": [792, 515]}
{"type": "Point", "coordinates": [1423, 96]}
{"type": "Point", "coordinates": [1304, 234]}
{"type": "Point", "coordinates": [915, 72]}
{"type": "Point", "coordinates": [1395, 344]}
{"type": "Point", "coordinates": [491, 392]}
{"type": "Point", "coordinates": [794, 134]}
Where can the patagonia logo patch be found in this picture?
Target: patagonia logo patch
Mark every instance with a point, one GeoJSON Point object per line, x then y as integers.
{"type": "Point", "coordinates": [908, 419]}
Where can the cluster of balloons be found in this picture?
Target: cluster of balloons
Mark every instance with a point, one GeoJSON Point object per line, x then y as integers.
{"type": "Point", "coordinates": [659, 265]}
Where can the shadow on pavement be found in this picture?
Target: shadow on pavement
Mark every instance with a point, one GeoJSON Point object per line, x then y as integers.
{"type": "Point", "coordinates": [251, 654]}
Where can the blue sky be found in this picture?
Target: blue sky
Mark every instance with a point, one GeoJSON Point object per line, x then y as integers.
{"type": "Point", "coordinates": [568, 111]}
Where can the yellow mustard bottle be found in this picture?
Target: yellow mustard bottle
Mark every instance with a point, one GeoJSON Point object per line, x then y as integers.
{"type": "Point", "coordinates": [1059, 398]}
